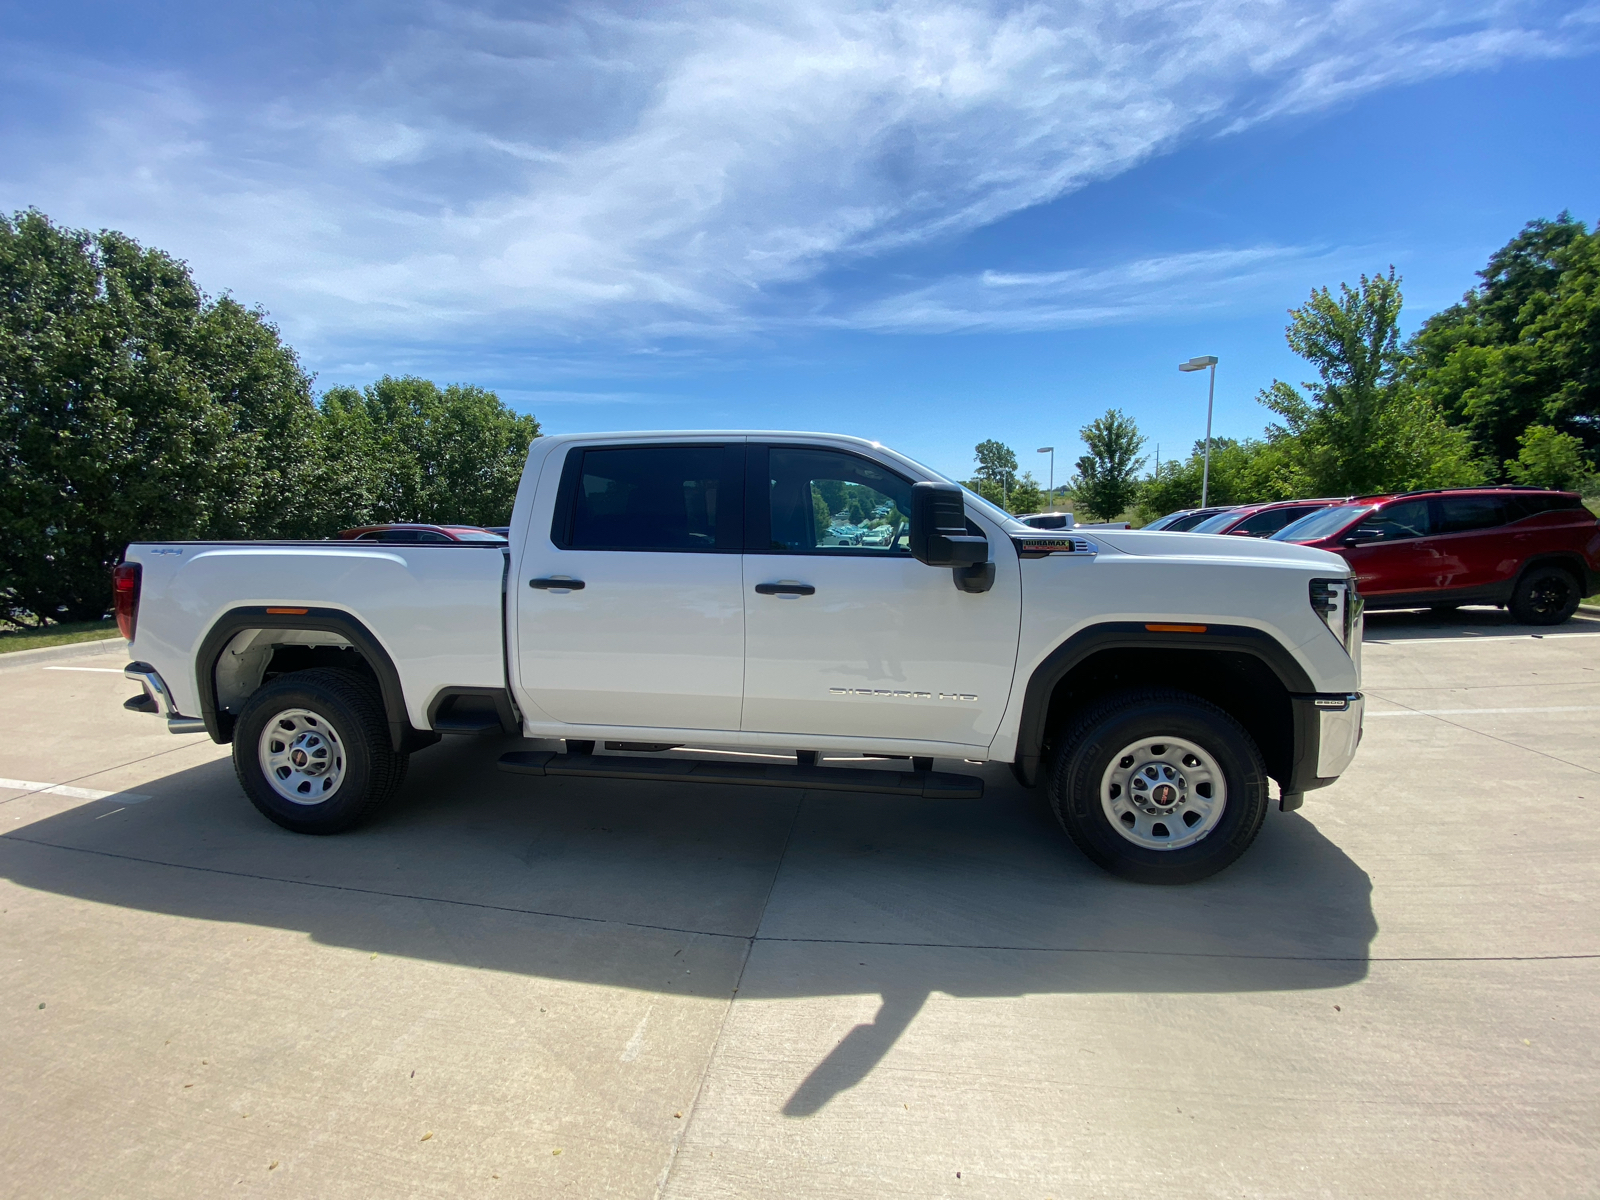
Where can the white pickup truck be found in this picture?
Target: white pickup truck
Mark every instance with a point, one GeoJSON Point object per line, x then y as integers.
{"type": "Point", "coordinates": [664, 592]}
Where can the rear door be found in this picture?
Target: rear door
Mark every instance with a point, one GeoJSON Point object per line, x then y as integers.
{"type": "Point", "coordinates": [650, 632]}
{"type": "Point", "coordinates": [848, 635]}
{"type": "Point", "coordinates": [1471, 550]}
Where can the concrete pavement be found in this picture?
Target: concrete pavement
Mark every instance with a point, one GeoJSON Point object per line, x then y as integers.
{"type": "Point", "coordinates": [737, 992]}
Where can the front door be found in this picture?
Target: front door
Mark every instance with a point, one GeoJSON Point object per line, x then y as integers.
{"type": "Point", "coordinates": [1400, 559]}
{"type": "Point", "coordinates": [867, 642]}
{"type": "Point", "coordinates": [654, 636]}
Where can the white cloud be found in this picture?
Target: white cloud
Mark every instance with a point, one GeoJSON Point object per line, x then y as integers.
{"type": "Point", "coordinates": [1178, 284]}
{"type": "Point", "coordinates": [601, 171]}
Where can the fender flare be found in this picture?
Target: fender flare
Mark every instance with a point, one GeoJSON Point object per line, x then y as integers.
{"type": "Point", "coordinates": [1136, 635]}
{"type": "Point", "coordinates": [235, 621]}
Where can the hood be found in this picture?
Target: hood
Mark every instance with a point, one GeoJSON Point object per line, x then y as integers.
{"type": "Point", "coordinates": [1212, 546]}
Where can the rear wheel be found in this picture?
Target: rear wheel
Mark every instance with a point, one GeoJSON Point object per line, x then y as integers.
{"type": "Point", "coordinates": [312, 751]}
{"type": "Point", "coordinates": [1159, 787]}
{"type": "Point", "coordinates": [1545, 596]}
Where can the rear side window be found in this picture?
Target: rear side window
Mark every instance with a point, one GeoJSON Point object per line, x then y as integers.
{"type": "Point", "coordinates": [1462, 514]}
{"type": "Point", "coordinates": [1531, 504]}
{"type": "Point", "coordinates": [662, 498]}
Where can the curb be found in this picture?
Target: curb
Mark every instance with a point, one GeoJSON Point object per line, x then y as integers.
{"type": "Point", "coordinates": [46, 654]}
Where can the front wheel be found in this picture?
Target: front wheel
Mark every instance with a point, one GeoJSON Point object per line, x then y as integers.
{"type": "Point", "coordinates": [1159, 786]}
{"type": "Point", "coordinates": [312, 751]}
{"type": "Point", "coordinates": [1545, 596]}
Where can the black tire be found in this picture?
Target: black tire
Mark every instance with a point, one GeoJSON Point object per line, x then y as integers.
{"type": "Point", "coordinates": [358, 748]}
{"type": "Point", "coordinates": [1088, 751]}
{"type": "Point", "coordinates": [1545, 596]}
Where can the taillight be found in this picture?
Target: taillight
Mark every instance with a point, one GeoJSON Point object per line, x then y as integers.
{"type": "Point", "coordinates": [125, 597]}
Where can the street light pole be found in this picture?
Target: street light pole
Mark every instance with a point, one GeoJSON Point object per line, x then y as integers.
{"type": "Point", "coordinates": [1200, 364]}
{"type": "Point", "coordinates": [1051, 451]}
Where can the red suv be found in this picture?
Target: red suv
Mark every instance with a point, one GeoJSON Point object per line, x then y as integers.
{"type": "Point", "coordinates": [1262, 520]}
{"type": "Point", "coordinates": [1532, 551]}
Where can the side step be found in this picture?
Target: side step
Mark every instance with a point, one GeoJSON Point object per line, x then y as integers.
{"type": "Point", "coordinates": [928, 785]}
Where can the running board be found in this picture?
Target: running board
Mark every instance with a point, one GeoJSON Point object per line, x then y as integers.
{"type": "Point", "coordinates": [928, 785]}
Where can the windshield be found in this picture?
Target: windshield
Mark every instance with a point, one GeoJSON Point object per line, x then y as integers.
{"type": "Point", "coordinates": [1215, 524]}
{"type": "Point", "coordinates": [1321, 523]}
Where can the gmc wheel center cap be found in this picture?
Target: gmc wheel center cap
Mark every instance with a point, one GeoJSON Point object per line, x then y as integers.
{"type": "Point", "coordinates": [1164, 794]}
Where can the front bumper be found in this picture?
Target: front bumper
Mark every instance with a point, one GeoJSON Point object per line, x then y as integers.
{"type": "Point", "coordinates": [1327, 730]}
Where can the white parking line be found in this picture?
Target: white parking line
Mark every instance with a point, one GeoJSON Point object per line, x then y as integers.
{"type": "Point", "coordinates": [1476, 637]}
{"type": "Point", "coordinates": [1460, 712]}
{"type": "Point", "coordinates": [75, 793]}
{"type": "Point", "coordinates": [99, 670]}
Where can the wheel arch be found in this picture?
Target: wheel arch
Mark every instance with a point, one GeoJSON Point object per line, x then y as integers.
{"type": "Point", "coordinates": [1244, 671]}
{"type": "Point", "coordinates": [347, 629]}
{"type": "Point", "coordinates": [1569, 561]}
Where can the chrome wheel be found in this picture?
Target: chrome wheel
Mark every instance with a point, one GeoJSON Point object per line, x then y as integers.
{"type": "Point", "coordinates": [301, 756]}
{"type": "Point", "coordinates": [1163, 793]}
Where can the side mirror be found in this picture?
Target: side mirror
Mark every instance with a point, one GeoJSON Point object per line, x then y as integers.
{"type": "Point", "coordinates": [938, 535]}
{"type": "Point", "coordinates": [1361, 536]}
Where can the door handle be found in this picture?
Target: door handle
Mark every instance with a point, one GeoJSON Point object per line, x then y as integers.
{"type": "Point", "coordinates": [575, 585]}
{"type": "Point", "coordinates": [785, 589]}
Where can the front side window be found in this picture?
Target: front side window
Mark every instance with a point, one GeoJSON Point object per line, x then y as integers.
{"type": "Point", "coordinates": [1215, 524]}
{"type": "Point", "coordinates": [1397, 522]}
{"type": "Point", "coordinates": [831, 502]}
{"type": "Point", "coordinates": [645, 498]}
{"type": "Point", "coordinates": [1269, 521]}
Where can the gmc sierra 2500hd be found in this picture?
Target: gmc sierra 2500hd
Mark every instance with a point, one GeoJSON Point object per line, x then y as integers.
{"type": "Point", "coordinates": [750, 591]}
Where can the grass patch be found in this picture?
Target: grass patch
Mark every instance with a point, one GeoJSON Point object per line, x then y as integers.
{"type": "Point", "coordinates": [56, 635]}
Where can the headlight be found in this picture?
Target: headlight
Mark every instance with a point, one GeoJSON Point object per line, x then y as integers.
{"type": "Point", "coordinates": [1339, 605]}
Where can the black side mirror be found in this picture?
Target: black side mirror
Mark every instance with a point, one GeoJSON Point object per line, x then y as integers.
{"type": "Point", "coordinates": [938, 534]}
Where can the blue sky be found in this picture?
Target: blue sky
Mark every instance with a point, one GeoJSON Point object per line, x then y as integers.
{"type": "Point", "coordinates": [926, 223]}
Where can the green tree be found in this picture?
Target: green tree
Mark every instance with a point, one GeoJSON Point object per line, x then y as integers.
{"type": "Point", "coordinates": [1549, 458]}
{"type": "Point", "coordinates": [404, 449]}
{"type": "Point", "coordinates": [997, 465]}
{"type": "Point", "coordinates": [1523, 347]}
{"type": "Point", "coordinates": [134, 406]}
{"type": "Point", "coordinates": [1107, 478]}
{"type": "Point", "coordinates": [1027, 496]}
{"type": "Point", "coordinates": [1361, 427]}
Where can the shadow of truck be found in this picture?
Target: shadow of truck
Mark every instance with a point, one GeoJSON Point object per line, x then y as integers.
{"type": "Point", "coordinates": [679, 889]}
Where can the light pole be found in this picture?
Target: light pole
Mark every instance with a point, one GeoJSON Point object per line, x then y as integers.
{"type": "Point", "coordinates": [1051, 451]}
{"type": "Point", "coordinates": [1200, 364]}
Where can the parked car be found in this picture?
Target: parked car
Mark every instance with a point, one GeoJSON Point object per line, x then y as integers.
{"type": "Point", "coordinates": [1186, 519]}
{"type": "Point", "coordinates": [1535, 552]}
{"type": "Point", "coordinates": [675, 589]}
{"type": "Point", "coordinates": [1048, 520]}
{"type": "Point", "coordinates": [420, 535]}
{"type": "Point", "coordinates": [1263, 520]}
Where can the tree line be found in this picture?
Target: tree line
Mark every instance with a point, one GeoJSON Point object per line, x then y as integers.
{"type": "Point", "coordinates": [138, 408]}
{"type": "Point", "coordinates": [1503, 387]}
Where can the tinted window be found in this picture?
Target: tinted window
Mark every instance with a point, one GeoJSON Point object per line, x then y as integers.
{"type": "Point", "coordinates": [1215, 524]}
{"type": "Point", "coordinates": [408, 537]}
{"type": "Point", "coordinates": [1460, 514]}
{"type": "Point", "coordinates": [1270, 521]}
{"type": "Point", "coordinates": [1187, 521]}
{"type": "Point", "coordinates": [1047, 521]}
{"type": "Point", "coordinates": [646, 498]}
{"type": "Point", "coordinates": [830, 502]}
{"type": "Point", "coordinates": [1397, 522]}
{"type": "Point", "coordinates": [1531, 504]}
{"type": "Point", "coordinates": [1320, 524]}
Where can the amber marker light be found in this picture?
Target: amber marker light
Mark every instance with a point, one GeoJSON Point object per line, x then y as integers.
{"type": "Point", "coordinates": [1153, 628]}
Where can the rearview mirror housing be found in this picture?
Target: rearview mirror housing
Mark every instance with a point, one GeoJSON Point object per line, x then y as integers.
{"type": "Point", "coordinates": [938, 534]}
{"type": "Point", "coordinates": [1360, 537]}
